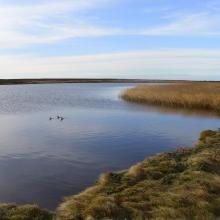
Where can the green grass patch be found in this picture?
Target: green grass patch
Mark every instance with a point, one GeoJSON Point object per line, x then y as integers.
{"type": "Point", "coordinates": [26, 212]}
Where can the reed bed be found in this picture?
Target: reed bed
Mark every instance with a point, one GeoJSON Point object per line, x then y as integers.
{"type": "Point", "coordinates": [201, 95]}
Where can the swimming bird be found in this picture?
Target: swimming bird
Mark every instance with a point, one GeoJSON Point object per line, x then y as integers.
{"type": "Point", "coordinates": [61, 118]}
{"type": "Point", "coordinates": [50, 118]}
{"type": "Point", "coordinates": [58, 117]}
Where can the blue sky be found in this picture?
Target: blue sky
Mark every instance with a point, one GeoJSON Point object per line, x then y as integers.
{"type": "Point", "coordinates": [163, 39]}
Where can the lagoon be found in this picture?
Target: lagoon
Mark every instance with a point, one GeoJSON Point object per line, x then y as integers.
{"type": "Point", "coordinates": [43, 160]}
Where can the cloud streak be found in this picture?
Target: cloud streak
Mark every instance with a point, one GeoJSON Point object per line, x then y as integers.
{"type": "Point", "coordinates": [48, 22]}
{"type": "Point", "coordinates": [141, 64]}
{"type": "Point", "coordinates": [195, 24]}
{"type": "Point", "coordinates": [52, 21]}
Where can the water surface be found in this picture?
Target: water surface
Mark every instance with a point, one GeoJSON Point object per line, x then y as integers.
{"type": "Point", "coordinates": [41, 161]}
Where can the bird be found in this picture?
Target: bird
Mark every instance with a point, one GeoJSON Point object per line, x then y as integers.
{"type": "Point", "coordinates": [50, 118]}
{"type": "Point", "coordinates": [61, 118]}
{"type": "Point", "coordinates": [58, 117]}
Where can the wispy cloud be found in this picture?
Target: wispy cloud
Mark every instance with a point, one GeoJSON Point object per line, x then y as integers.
{"type": "Point", "coordinates": [48, 22]}
{"type": "Point", "coordinates": [169, 63]}
{"type": "Point", "coordinates": [51, 21]}
{"type": "Point", "coordinates": [194, 24]}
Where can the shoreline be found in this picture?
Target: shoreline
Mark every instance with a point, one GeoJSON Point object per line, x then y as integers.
{"type": "Point", "coordinates": [181, 184]}
{"type": "Point", "coordinates": [177, 184]}
{"type": "Point", "coordinates": [65, 80]}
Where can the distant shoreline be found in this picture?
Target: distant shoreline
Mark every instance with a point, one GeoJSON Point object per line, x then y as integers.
{"type": "Point", "coordinates": [53, 81]}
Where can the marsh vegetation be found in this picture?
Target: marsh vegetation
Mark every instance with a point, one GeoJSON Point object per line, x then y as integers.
{"type": "Point", "coordinates": [26, 212]}
{"type": "Point", "coordinates": [184, 184]}
{"type": "Point", "coordinates": [193, 95]}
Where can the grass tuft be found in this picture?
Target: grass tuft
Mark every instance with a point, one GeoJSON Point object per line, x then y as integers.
{"type": "Point", "coordinates": [26, 212]}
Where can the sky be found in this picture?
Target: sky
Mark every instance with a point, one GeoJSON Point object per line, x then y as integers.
{"type": "Point", "coordinates": [149, 39]}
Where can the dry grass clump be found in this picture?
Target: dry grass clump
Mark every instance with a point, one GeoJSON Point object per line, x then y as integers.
{"type": "Point", "coordinates": [26, 212]}
{"type": "Point", "coordinates": [200, 95]}
{"type": "Point", "coordinates": [184, 184]}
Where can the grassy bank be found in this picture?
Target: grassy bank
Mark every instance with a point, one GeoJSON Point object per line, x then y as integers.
{"type": "Point", "coordinates": [26, 212]}
{"type": "Point", "coordinates": [201, 95]}
{"type": "Point", "coordinates": [184, 184]}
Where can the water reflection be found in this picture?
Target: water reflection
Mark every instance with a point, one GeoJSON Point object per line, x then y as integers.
{"type": "Point", "coordinates": [41, 160]}
{"type": "Point", "coordinates": [186, 112]}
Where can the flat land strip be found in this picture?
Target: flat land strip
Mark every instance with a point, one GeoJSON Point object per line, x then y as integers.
{"type": "Point", "coordinates": [49, 81]}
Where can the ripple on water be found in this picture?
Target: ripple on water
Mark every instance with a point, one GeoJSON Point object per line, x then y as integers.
{"type": "Point", "coordinates": [41, 160]}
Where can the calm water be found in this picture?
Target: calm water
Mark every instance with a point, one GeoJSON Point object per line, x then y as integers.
{"type": "Point", "coordinates": [42, 161]}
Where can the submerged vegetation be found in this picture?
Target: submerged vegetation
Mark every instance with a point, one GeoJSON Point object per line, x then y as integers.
{"type": "Point", "coordinates": [193, 95]}
{"type": "Point", "coordinates": [184, 184]}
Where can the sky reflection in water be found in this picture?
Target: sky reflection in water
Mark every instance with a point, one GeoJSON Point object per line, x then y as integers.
{"type": "Point", "coordinates": [42, 161]}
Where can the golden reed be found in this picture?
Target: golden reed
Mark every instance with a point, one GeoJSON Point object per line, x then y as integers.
{"type": "Point", "coordinates": [194, 95]}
